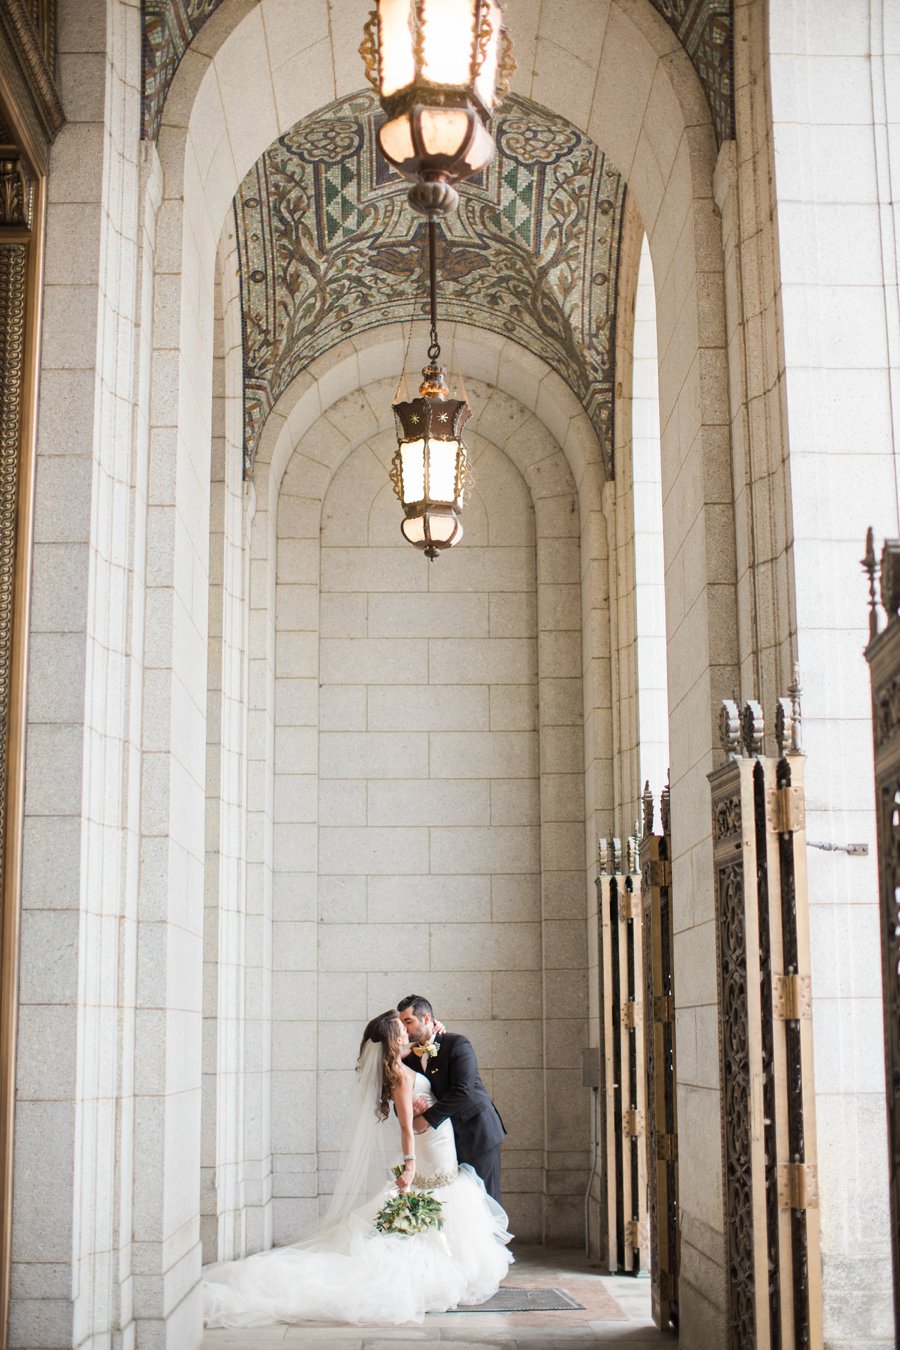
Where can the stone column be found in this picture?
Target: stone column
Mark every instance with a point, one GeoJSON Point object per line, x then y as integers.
{"type": "Point", "coordinates": [834, 136]}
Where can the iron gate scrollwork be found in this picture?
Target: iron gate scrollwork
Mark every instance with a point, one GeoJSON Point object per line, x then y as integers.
{"type": "Point", "coordinates": [623, 1241]}
{"type": "Point", "coordinates": [773, 1271]}
{"type": "Point", "coordinates": [883, 656]}
{"type": "Point", "coordinates": [659, 1037]}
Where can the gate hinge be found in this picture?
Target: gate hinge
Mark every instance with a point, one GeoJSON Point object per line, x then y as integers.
{"type": "Point", "coordinates": [630, 905]}
{"type": "Point", "coordinates": [660, 872]}
{"type": "Point", "coordinates": [787, 810]}
{"type": "Point", "coordinates": [630, 1014]}
{"type": "Point", "coordinates": [664, 1008]}
{"type": "Point", "coordinates": [666, 1147]}
{"type": "Point", "coordinates": [634, 1233]}
{"type": "Point", "coordinates": [632, 1123]}
{"type": "Point", "coordinates": [668, 1286]}
{"type": "Point", "coordinates": [798, 1186]}
{"type": "Point", "coordinates": [791, 997]}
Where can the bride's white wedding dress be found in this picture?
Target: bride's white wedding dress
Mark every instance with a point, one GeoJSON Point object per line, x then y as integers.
{"type": "Point", "coordinates": [349, 1273]}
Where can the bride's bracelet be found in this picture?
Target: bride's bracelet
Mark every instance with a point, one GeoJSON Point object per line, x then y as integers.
{"type": "Point", "coordinates": [409, 1157]}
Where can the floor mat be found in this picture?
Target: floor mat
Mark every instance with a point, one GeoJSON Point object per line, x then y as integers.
{"type": "Point", "coordinates": [523, 1300]}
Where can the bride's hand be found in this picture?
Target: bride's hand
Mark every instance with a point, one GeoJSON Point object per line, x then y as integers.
{"type": "Point", "coordinates": [419, 1106]}
{"type": "Point", "coordinates": [439, 1028]}
{"type": "Point", "coordinates": [405, 1179]}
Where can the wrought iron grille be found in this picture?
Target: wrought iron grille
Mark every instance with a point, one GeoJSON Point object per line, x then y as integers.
{"type": "Point", "coordinates": [768, 1124]}
{"type": "Point", "coordinates": [659, 1037]}
{"type": "Point", "coordinates": [883, 656]}
{"type": "Point", "coordinates": [623, 1142]}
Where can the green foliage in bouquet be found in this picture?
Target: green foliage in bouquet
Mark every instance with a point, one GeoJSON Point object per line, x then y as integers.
{"type": "Point", "coordinates": [409, 1212]}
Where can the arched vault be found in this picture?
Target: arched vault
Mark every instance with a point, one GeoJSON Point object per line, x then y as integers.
{"type": "Point", "coordinates": [328, 247]}
{"type": "Point", "coordinates": [703, 27]}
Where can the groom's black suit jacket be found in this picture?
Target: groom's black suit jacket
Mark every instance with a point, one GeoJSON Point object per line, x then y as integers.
{"type": "Point", "coordinates": [460, 1096]}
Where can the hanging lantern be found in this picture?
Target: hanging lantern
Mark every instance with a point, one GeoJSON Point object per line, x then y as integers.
{"type": "Point", "coordinates": [430, 469]}
{"type": "Point", "coordinates": [440, 67]}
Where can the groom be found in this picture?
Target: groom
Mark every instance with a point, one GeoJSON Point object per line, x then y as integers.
{"type": "Point", "coordinates": [449, 1064]}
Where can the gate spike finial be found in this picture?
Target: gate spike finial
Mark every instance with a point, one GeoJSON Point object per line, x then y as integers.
{"type": "Point", "coordinates": [647, 802]}
{"type": "Point", "coordinates": [664, 804]}
{"type": "Point", "coordinates": [795, 689]}
{"type": "Point", "coordinates": [870, 567]}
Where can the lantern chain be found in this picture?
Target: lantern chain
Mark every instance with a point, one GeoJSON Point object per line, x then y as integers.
{"type": "Point", "coordinates": [434, 349]}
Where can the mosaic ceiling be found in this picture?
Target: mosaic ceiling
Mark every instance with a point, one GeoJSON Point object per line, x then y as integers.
{"type": "Point", "coordinates": [168, 28]}
{"type": "Point", "coordinates": [329, 247]}
{"type": "Point", "coordinates": [704, 28]}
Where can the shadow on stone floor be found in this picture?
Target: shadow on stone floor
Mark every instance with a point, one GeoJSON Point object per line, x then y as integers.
{"type": "Point", "coordinates": [616, 1313]}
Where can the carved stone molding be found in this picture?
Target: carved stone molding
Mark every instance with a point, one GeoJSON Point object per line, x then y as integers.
{"type": "Point", "coordinates": [16, 193]}
{"type": "Point", "coordinates": [726, 817]}
{"type": "Point", "coordinates": [27, 61]}
{"type": "Point", "coordinates": [14, 317]}
{"type": "Point", "coordinates": [13, 277]}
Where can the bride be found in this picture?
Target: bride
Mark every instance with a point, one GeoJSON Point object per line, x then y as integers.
{"type": "Point", "coordinates": [349, 1272]}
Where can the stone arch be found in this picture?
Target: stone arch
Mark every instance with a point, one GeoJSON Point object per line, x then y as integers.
{"type": "Point", "coordinates": [638, 98]}
{"type": "Point", "coordinates": [304, 469]}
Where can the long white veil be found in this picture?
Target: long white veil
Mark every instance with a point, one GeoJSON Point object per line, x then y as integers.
{"type": "Point", "coordinates": [372, 1145]}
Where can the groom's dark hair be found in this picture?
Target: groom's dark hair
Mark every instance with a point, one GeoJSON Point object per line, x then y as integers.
{"type": "Point", "coordinates": [420, 1006]}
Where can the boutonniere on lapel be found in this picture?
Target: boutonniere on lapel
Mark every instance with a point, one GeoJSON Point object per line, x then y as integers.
{"type": "Point", "coordinates": [428, 1050]}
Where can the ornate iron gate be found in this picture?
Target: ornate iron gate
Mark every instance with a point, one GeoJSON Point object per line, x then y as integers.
{"type": "Point", "coordinates": [883, 656]}
{"type": "Point", "coordinates": [659, 1039]}
{"type": "Point", "coordinates": [768, 1135]}
{"type": "Point", "coordinates": [623, 1237]}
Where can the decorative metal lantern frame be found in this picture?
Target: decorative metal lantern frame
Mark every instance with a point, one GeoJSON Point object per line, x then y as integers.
{"type": "Point", "coordinates": [440, 67]}
{"type": "Point", "coordinates": [430, 468]}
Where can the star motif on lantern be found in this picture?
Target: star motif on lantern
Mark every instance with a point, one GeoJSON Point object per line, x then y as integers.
{"type": "Point", "coordinates": [440, 68]}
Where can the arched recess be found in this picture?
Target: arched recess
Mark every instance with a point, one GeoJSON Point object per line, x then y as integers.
{"type": "Point", "coordinates": [547, 920]}
{"type": "Point", "coordinates": [622, 77]}
{"type": "Point", "coordinates": [343, 402]}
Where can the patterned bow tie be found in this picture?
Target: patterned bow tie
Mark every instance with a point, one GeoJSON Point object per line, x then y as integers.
{"type": "Point", "coordinates": [427, 1051]}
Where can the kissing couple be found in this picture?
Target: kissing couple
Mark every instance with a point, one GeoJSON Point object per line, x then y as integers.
{"type": "Point", "coordinates": [422, 1121]}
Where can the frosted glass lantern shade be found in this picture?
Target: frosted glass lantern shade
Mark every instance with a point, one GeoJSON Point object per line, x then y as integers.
{"type": "Point", "coordinates": [430, 468]}
{"type": "Point", "coordinates": [432, 531]}
{"type": "Point", "coordinates": [440, 68]}
{"type": "Point", "coordinates": [395, 51]}
{"type": "Point", "coordinates": [448, 33]}
{"type": "Point", "coordinates": [412, 456]}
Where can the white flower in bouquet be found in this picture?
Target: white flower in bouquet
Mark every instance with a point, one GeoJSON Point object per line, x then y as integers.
{"type": "Point", "coordinates": [409, 1213]}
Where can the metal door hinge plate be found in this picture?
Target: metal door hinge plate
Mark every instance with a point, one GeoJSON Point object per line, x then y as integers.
{"type": "Point", "coordinates": [792, 997]}
{"type": "Point", "coordinates": [798, 1186]}
{"type": "Point", "coordinates": [787, 810]}
{"type": "Point", "coordinates": [632, 1123]}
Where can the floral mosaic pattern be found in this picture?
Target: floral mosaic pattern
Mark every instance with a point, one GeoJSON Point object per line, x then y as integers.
{"type": "Point", "coordinates": [329, 247]}
{"type": "Point", "coordinates": [169, 27]}
{"type": "Point", "coordinates": [704, 28]}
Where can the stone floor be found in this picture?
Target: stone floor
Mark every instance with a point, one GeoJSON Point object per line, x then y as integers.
{"type": "Point", "coordinates": [616, 1314]}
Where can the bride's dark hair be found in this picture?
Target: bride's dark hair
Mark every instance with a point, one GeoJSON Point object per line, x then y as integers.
{"type": "Point", "coordinates": [385, 1030]}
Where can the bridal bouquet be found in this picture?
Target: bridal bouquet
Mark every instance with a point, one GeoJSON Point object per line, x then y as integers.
{"type": "Point", "coordinates": [409, 1212]}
